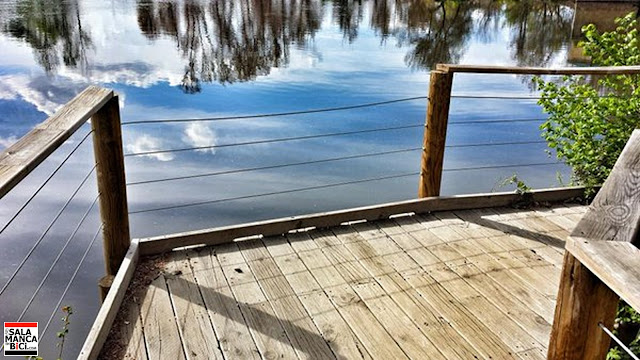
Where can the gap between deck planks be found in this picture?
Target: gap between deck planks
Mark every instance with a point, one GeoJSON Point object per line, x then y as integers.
{"type": "Point", "coordinates": [447, 285]}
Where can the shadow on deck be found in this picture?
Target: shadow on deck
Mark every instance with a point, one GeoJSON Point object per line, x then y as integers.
{"type": "Point", "coordinates": [445, 285]}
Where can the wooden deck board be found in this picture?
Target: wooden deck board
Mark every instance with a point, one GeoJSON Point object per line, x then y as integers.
{"type": "Point", "coordinates": [229, 324]}
{"type": "Point", "coordinates": [448, 285]}
{"type": "Point", "coordinates": [198, 337]}
{"type": "Point", "coordinates": [160, 327]}
{"type": "Point", "coordinates": [297, 324]}
{"type": "Point", "coordinates": [132, 332]}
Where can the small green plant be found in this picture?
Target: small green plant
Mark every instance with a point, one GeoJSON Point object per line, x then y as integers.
{"type": "Point", "coordinates": [521, 187]}
{"type": "Point", "coordinates": [626, 328]}
{"type": "Point", "coordinates": [62, 334]}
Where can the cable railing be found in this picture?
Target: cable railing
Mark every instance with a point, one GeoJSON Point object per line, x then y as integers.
{"type": "Point", "coordinates": [271, 167]}
{"type": "Point", "coordinates": [496, 121]}
{"type": "Point", "coordinates": [438, 112]}
{"type": "Point", "coordinates": [44, 183]}
{"type": "Point", "coordinates": [57, 258]}
{"type": "Point", "coordinates": [618, 341]}
{"type": "Point", "coordinates": [71, 279]}
{"type": "Point", "coordinates": [509, 97]}
{"type": "Point", "coordinates": [45, 232]}
{"type": "Point", "coordinates": [277, 114]}
{"type": "Point", "coordinates": [278, 140]}
{"type": "Point", "coordinates": [289, 191]}
{"type": "Point", "coordinates": [488, 167]}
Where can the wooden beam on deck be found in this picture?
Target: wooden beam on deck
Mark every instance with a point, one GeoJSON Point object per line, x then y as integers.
{"type": "Point", "coordinates": [112, 185]}
{"type": "Point", "coordinates": [435, 133]}
{"type": "Point", "coordinates": [159, 244]}
{"type": "Point", "coordinates": [111, 305]}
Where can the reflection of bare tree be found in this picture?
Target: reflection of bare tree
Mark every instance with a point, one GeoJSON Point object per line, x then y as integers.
{"type": "Point", "coordinates": [540, 29]}
{"type": "Point", "coordinates": [348, 14]}
{"type": "Point", "coordinates": [237, 40]}
{"type": "Point", "coordinates": [229, 41]}
{"type": "Point", "coordinates": [53, 30]}
{"type": "Point", "coordinates": [437, 31]}
{"type": "Point", "coordinates": [487, 26]}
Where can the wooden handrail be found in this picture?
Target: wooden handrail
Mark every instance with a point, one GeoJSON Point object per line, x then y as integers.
{"type": "Point", "coordinates": [490, 69]}
{"type": "Point", "coordinates": [615, 212]}
{"type": "Point", "coordinates": [615, 263]}
{"type": "Point", "coordinates": [18, 160]}
{"type": "Point", "coordinates": [589, 289]}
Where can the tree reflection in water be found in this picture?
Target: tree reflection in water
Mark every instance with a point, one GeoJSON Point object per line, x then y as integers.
{"type": "Point", "coordinates": [53, 29]}
{"type": "Point", "coordinates": [229, 41]}
{"type": "Point", "coordinates": [541, 29]}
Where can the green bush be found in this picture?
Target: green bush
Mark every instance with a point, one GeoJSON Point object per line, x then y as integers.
{"type": "Point", "coordinates": [590, 121]}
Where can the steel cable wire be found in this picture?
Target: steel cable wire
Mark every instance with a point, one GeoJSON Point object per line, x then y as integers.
{"type": "Point", "coordinates": [235, 171]}
{"type": "Point", "coordinates": [46, 231]}
{"type": "Point", "coordinates": [269, 141]}
{"type": "Point", "coordinates": [300, 112]}
{"type": "Point", "coordinates": [58, 257]}
{"type": "Point", "coordinates": [55, 171]}
{"type": "Point", "coordinates": [497, 144]}
{"type": "Point", "coordinates": [501, 166]}
{"type": "Point", "coordinates": [271, 193]}
{"type": "Point", "coordinates": [506, 97]}
{"type": "Point", "coordinates": [618, 341]}
{"type": "Point", "coordinates": [495, 121]}
{"type": "Point", "coordinates": [73, 276]}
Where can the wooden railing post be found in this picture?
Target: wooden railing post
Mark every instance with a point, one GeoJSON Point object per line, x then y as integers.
{"type": "Point", "coordinates": [109, 156]}
{"type": "Point", "coordinates": [584, 300]}
{"type": "Point", "coordinates": [435, 133]}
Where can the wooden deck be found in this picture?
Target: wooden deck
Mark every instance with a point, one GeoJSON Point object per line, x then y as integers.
{"type": "Point", "coordinates": [446, 285]}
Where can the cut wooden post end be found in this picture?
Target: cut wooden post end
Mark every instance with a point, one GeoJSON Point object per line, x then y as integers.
{"type": "Point", "coordinates": [104, 285]}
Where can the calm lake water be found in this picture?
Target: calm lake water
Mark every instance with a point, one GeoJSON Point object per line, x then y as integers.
{"type": "Point", "coordinates": [203, 59]}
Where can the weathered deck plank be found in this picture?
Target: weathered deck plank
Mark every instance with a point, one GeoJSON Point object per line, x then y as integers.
{"type": "Point", "coordinates": [332, 326]}
{"type": "Point", "coordinates": [297, 324]}
{"type": "Point", "coordinates": [271, 339]}
{"type": "Point", "coordinates": [228, 322]}
{"type": "Point", "coordinates": [198, 337]}
{"type": "Point", "coordinates": [160, 328]}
